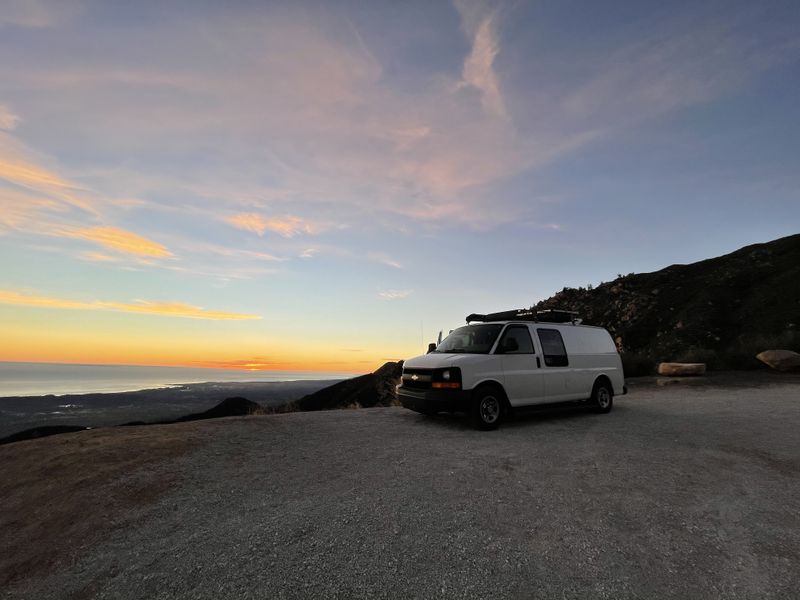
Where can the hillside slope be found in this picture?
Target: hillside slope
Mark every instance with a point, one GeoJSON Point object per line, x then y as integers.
{"type": "Point", "coordinates": [372, 389]}
{"type": "Point", "coordinates": [722, 310]}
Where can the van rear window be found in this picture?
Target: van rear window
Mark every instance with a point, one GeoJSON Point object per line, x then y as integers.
{"type": "Point", "coordinates": [553, 350]}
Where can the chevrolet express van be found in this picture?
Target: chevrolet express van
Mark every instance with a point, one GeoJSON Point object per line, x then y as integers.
{"type": "Point", "coordinates": [502, 361]}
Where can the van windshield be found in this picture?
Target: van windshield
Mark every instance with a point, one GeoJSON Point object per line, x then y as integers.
{"type": "Point", "coordinates": [470, 339]}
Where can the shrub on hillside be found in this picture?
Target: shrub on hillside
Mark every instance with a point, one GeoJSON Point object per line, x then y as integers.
{"type": "Point", "coordinates": [636, 365]}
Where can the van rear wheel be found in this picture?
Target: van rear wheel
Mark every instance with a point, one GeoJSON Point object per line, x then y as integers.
{"type": "Point", "coordinates": [602, 397]}
{"type": "Point", "coordinates": [487, 408]}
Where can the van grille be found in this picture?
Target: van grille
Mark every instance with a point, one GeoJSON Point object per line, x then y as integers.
{"type": "Point", "coordinates": [418, 379]}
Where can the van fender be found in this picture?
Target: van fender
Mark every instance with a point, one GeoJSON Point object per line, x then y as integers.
{"type": "Point", "coordinates": [603, 377]}
{"type": "Point", "coordinates": [494, 383]}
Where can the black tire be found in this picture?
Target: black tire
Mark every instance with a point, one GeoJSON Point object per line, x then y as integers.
{"type": "Point", "coordinates": [602, 397]}
{"type": "Point", "coordinates": [488, 407]}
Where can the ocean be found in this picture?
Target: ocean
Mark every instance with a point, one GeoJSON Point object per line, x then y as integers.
{"type": "Point", "coordinates": [37, 394]}
{"type": "Point", "coordinates": [39, 379]}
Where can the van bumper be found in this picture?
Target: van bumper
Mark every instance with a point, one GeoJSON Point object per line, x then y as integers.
{"type": "Point", "coordinates": [430, 401]}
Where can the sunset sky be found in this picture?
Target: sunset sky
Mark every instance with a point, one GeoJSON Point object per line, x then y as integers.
{"type": "Point", "coordinates": [326, 185]}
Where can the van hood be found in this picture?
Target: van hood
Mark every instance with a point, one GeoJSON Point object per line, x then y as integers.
{"type": "Point", "coordinates": [437, 360]}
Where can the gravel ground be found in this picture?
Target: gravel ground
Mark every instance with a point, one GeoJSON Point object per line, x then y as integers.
{"type": "Point", "coordinates": [680, 492]}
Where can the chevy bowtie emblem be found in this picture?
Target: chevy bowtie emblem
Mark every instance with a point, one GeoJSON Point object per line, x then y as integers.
{"type": "Point", "coordinates": [414, 377]}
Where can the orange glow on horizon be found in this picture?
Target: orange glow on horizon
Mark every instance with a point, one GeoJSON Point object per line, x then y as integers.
{"type": "Point", "coordinates": [327, 367]}
{"type": "Point", "coordinates": [141, 348]}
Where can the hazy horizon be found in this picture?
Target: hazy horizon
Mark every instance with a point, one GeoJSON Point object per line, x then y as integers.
{"type": "Point", "coordinates": [59, 379]}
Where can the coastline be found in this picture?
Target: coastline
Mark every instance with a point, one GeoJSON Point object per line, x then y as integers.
{"type": "Point", "coordinates": [26, 379]}
{"type": "Point", "coordinates": [102, 409]}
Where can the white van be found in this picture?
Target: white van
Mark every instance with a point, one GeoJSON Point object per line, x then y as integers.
{"type": "Point", "coordinates": [502, 361]}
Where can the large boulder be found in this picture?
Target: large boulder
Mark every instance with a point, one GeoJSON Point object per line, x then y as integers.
{"type": "Point", "coordinates": [681, 369]}
{"type": "Point", "coordinates": [780, 360]}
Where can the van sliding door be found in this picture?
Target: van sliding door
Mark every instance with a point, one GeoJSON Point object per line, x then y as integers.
{"type": "Point", "coordinates": [556, 364]}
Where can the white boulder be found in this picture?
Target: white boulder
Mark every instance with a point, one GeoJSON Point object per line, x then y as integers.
{"type": "Point", "coordinates": [681, 369]}
{"type": "Point", "coordinates": [780, 360]}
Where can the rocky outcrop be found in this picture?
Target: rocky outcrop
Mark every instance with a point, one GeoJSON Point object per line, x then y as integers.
{"type": "Point", "coordinates": [365, 391]}
{"type": "Point", "coordinates": [681, 369]}
{"type": "Point", "coordinates": [780, 360]}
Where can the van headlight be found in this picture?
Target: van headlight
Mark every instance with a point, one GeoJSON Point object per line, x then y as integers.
{"type": "Point", "coordinates": [449, 379]}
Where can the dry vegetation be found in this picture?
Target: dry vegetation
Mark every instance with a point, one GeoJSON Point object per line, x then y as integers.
{"type": "Point", "coordinates": [66, 492]}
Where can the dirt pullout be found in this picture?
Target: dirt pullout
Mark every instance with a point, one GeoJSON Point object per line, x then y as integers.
{"type": "Point", "coordinates": [63, 494]}
{"type": "Point", "coordinates": [680, 492]}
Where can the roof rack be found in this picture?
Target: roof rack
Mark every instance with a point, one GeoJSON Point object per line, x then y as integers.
{"type": "Point", "coordinates": [522, 314]}
{"type": "Point", "coordinates": [558, 316]}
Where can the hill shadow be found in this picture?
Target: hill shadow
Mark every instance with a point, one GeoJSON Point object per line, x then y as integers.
{"type": "Point", "coordinates": [522, 417]}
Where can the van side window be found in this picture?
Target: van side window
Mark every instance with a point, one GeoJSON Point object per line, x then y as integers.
{"type": "Point", "coordinates": [516, 340]}
{"type": "Point", "coordinates": [555, 354]}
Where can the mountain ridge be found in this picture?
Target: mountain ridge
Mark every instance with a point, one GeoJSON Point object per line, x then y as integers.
{"type": "Point", "coordinates": [721, 310]}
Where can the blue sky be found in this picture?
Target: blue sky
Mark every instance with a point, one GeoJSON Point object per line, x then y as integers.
{"type": "Point", "coordinates": [330, 183]}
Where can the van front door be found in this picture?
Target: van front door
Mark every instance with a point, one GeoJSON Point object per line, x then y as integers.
{"type": "Point", "coordinates": [523, 377]}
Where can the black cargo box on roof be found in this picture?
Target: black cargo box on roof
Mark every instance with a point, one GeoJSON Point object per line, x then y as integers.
{"type": "Point", "coordinates": [542, 316]}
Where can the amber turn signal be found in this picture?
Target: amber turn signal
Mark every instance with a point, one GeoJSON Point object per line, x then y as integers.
{"type": "Point", "coordinates": [450, 385]}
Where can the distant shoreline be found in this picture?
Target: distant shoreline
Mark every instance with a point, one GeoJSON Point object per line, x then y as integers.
{"type": "Point", "coordinates": [166, 386]}
{"type": "Point", "coordinates": [102, 409]}
{"type": "Point", "coordinates": [21, 379]}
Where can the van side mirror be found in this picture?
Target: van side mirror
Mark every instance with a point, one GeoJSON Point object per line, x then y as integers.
{"type": "Point", "coordinates": [431, 347]}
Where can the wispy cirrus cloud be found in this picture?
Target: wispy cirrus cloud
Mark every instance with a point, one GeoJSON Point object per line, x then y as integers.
{"type": "Point", "coordinates": [394, 294]}
{"type": "Point", "coordinates": [235, 252]}
{"type": "Point", "coordinates": [40, 200]}
{"type": "Point", "coordinates": [31, 193]}
{"type": "Point", "coordinates": [342, 138]}
{"type": "Point", "coordinates": [478, 71]}
{"type": "Point", "coordinates": [18, 171]}
{"type": "Point", "coordinates": [286, 226]}
{"type": "Point", "coordinates": [98, 257]}
{"type": "Point", "coordinates": [8, 120]}
{"type": "Point", "coordinates": [347, 142]}
{"type": "Point", "coordinates": [164, 309]}
{"type": "Point", "coordinates": [384, 259]}
{"type": "Point", "coordinates": [120, 240]}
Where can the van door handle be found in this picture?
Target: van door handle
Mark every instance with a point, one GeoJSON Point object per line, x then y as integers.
{"type": "Point", "coordinates": [538, 363]}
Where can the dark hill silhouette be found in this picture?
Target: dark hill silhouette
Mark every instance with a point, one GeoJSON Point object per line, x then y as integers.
{"type": "Point", "coordinates": [230, 407]}
{"type": "Point", "coordinates": [39, 432]}
{"type": "Point", "coordinates": [372, 389]}
{"type": "Point", "coordinates": [721, 311]}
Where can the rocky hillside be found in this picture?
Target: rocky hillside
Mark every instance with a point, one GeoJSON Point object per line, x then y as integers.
{"type": "Point", "coordinates": [721, 311]}
{"type": "Point", "coordinates": [373, 389]}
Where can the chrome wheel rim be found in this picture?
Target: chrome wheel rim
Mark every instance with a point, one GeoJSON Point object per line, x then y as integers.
{"type": "Point", "coordinates": [603, 397]}
{"type": "Point", "coordinates": [489, 409]}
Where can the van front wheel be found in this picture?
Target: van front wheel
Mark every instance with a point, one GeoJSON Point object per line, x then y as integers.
{"type": "Point", "coordinates": [487, 408]}
{"type": "Point", "coordinates": [602, 397]}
